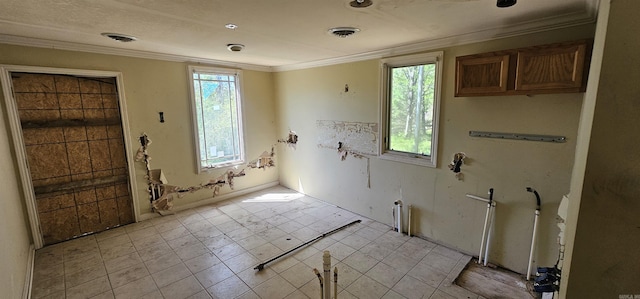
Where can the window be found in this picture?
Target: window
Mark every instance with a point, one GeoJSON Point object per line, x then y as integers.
{"type": "Point", "coordinates": [216, 99]}
{"type": "Point", "coordinates": [410, 106]}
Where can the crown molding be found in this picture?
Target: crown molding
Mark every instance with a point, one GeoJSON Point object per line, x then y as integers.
{"type": "Point", "coordinates": [68, 46]}
{"type": "Point", "coordinates": [588, 16]}
{"type": "Point", "coordinates": [566, 21]}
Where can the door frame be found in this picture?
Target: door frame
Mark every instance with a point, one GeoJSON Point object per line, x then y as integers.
{"type": "Point", "coordinates": [20, 149]}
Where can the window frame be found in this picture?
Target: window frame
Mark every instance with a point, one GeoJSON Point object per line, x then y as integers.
{"type": "Point", "coordinates": [386, 65]}
{"type": "Point", "coordinates": [194, 114]}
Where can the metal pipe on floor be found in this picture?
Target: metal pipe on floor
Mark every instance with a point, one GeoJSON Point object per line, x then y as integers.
{"type": "Point", "coordinates": [261, 266]}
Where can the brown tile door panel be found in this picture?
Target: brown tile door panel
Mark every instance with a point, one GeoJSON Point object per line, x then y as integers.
{"type": "Point", "coordinates": [75, 150]}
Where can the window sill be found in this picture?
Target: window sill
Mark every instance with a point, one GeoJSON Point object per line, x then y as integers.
{"type": "Point", "coordinates": [409, 159]}
{"type": "Point", "coordinates": [219, 166]}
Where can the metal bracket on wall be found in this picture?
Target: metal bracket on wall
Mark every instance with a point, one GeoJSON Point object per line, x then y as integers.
{"type": "Point", "coordinates": [518, 136]}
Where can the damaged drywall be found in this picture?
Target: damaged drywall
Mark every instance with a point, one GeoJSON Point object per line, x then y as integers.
{"type": "Point", "coordinates": [291, 140]}
{"type": "Point", "coordinates": [161, 194]}
{"type": "Point", "coordinates": [456, 165]}
{"type": "Point", "coordinates": [356, 139]}
{"type": "Point", "coordinates": [361, 138]}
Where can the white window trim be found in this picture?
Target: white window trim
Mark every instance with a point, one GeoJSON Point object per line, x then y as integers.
{"type": "Point", "coordinates": [385, 64]}
{"type": "Point", "coordinates": [239, 99]}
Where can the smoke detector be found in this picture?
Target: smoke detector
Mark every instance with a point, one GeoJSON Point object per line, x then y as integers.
{"type": "Point", "coordinates": [360, 3]}
{"type": "Point", "coordinates": [119, 37]}
{"type": "Point", "coordinates": [343, 31]}
{"type": "Point", "coordinates": [235, 47]}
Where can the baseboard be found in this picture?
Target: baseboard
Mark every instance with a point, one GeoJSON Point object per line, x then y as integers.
{"type": "Point", "coordinates": [211, 200]}
{"type": "Point", "coordinates": [28, 280]}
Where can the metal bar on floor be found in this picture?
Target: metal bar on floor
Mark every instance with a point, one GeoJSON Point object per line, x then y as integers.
{"type": "Point", "coordinates": [261, 266]}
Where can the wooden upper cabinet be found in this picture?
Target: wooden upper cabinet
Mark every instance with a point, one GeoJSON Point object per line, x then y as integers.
{"type": "Point", "coordinates": [554, 68]}
{"type": "Point", "coordinates": [482, 75]}
{"type": "Point", "coordinates": [558, 67]}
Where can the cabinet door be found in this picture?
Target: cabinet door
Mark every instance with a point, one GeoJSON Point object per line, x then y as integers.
{"type": "Point", "coordinates": [558, 67]}
{"type": "Point", "coordinates": [481, 75]}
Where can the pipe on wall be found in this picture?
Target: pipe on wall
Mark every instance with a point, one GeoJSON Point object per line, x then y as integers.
{"type": "Point", "coordinates": [398, 204]}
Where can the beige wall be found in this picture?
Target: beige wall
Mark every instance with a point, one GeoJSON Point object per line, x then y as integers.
{"type": "Point", "coordinates": [14, 233]}
{"type": "Point", "coordinates": [604, 259]}
{"type": "Point", "coordinates": [443, 212]}
{"type": "Point", "coordinates": [151, 86]}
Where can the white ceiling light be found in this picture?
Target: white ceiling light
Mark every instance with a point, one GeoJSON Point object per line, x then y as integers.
{"type": "Point", "coordinates": [231, 26]}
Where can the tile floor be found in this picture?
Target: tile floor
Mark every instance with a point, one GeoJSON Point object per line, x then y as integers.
{"type": "Point", "coordinates": [210, 252]}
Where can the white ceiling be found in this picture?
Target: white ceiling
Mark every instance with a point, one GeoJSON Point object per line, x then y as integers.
{"type": "Point", "coordinates": [278, 34]}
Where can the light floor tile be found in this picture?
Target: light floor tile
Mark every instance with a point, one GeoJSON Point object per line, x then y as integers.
{"type": "Point", "coordinates": [275, 287]}
{"type": "Point", "coordinates": [298, 275]}
{"type": "Point", "coordinates": [182, 288]}
{"type": "Point", "coordinates": [254, 278]}
{"type": "Point", "coordinates": [211, 252]}
{"type": "Point", "coordinates": [213, 275]}
{"type": "Point", "coordinates": [202, 262]}
{"type": "Point", "coordinates": [124, 276]}
{"type": "Point", "coordinates": [228, 288]}
{"type": "Point", "coordinates": [200, 295]}
{"type": "Point", "coordinates": [362, 262]}
{"type": "Point", "coordinates": [122, 262]}
{"type": "Point", "coordinates": [412, 288]}
{"type": "Point", "coordinates": [366, 287]}
{"type": "Point", "coordinates": [385, 274]}
{"type": "Point", "coordinates": [427, 274]}
{"type": "Point", "coordinates": [171, 275]}
{"type": "Point", "coordinates": [136, 289]}
{"type": "Point", "coordinates": [89, 289]}
{"type": "Point", "coordinates": [91, 272]}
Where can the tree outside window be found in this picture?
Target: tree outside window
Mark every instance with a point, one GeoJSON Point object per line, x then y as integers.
{"type": "Point", "coordinates": [410, 102]}
{"type": "Point", "coordinates": [217, 117]}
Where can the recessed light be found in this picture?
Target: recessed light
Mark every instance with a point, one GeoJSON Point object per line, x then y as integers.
{"type": "Point", "coordinates": [231, 26]}
{"type": "Point", "coordinates": [235, 47]}
{"type": "Point", "coordinates": [505, 3]}
{"type": "Point", "coordinates": [119, 37]}
{"type": "Point", "coordinates": [360, 3]}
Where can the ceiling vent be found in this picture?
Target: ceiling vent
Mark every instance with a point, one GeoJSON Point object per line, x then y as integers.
{"type": "Point", "coordinates": [360, 3]}
{"type": "Point", "coordinates": [343, 31]}
{"type": "Point", "coordinates": [120, 37]}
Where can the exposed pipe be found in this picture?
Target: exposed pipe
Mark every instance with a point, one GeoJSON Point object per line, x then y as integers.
{"type": "Point", "coordinates": [486, 222]}
{"type": "Point", "coordinates": [393, 214]}
{"type": "Point", "coordinates": [319, 279]}
{"type": "Point", "coordinates": [492, 220]}
{"type": "Point", "coordinates": [398, 204]}
{"type": "Point", "coordinates": [535, 228]}
{"type": "Point", "coordinates": [477, 197]}
{"type": "Point", "coordinates": [409, 220]}
{"type": "Point", "coordinates": [335, 283]}
{"type": "Point", "coordinates": [326, 267]}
